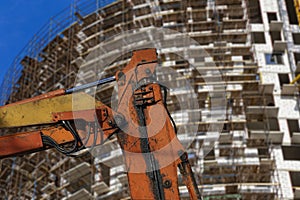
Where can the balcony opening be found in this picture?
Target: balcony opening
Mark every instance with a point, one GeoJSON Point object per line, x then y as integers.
{"type": "Point", "coordinates": [292, 12]}
{"type": "Point", "coordinates": [275, 35]}
{"type": "Point", "coordinates": [273, 124]}
{"type": "Point", "coordinates": [105, 173]}
{"type": "Point", "coordinates": [291, 152]}
{"type": "Point", "coordinates": [296, 38]}
{"type": "Point", "coordinates": [295, 179]}
{"type": "Point", "coordinates": [297, 58]}
{"type": "Point", "coordinates": [283, 79]}
{"type": "Point", "coordinates": [293, 126]}
{"type": "Point", "coordinates": [274, 59]}
{"type": "Point", "coordinates": [254, 12]}
{"type": "Point", "coordinates": [258, 38]}
{"type": "Point", "coordinates": [272, 17]}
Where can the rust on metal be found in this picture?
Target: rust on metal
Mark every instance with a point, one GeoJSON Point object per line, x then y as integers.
{"type": "Point", "coordinates": [149, 142]}
{"type": "Point", "coordinates": [20, 143]}
{"type": "Point", "coordinates": [40, 97]}
{"type": "Point", "coordinates": [39, 111]}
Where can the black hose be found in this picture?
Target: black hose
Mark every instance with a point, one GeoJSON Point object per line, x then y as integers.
{"type": "Point", "coordinates": [165, 104]}
{"type": "Point", "coordinates": [51, 142]}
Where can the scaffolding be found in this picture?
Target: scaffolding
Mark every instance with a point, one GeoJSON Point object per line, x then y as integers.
{"type": "Point", "coordinates": [237, 165]}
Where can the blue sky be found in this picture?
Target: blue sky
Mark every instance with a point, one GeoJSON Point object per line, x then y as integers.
{"type": "Point", "coordinates": [19, 21]}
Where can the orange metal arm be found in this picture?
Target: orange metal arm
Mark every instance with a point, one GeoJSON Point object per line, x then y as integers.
{"type": "Point", "coordinates": [28, 142]}
{"type": "Point", "coordinates": [152, 151]}
{"type": "Point", "coordinates": [53, 109]}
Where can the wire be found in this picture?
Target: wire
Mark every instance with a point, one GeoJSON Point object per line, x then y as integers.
{"type": "Point", "coordinates": [77, 140]}
{"type": "Point", "coordinates": [73, 132]}
{"type": "Point", "coordinates": [87, 138]}
{"type": "Point", "coordinates": [165, 104]}
{"type": "Point", "coordinates": [152, 80]}
{"type": "Point", "coordinates": [51, 142]}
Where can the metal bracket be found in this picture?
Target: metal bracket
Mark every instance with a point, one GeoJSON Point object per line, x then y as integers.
{"type": "Point", "coordinates": [144, 96]}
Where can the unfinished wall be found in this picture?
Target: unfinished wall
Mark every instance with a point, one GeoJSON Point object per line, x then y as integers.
{"type": "Point", "coordinates": [277, 60]}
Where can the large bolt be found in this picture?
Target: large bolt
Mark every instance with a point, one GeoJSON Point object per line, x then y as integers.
{"type": "Point", "coordinates": [148, 71]}
{"type": "Point", "coordinates": [120, 75]}
{"type": "Point", "coordinates": [167, 184]}
{"type": "Point", "coordinates": [183, 155]}
{"type": "Point", "coordinates": [121, 78]}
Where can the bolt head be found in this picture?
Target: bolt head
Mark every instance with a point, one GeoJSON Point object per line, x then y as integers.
{"type": "Point", "coordinates": [167, 184]}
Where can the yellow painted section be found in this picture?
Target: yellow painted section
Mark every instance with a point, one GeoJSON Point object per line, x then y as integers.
{"type": "Point", "coordinates": [40, 111]}
{"type": "Point", "coordinates": [261, 77]}
{"type": "Point", "coordinates": [297, 6]}
{"type": "Point", "coordinates": [296, 79]}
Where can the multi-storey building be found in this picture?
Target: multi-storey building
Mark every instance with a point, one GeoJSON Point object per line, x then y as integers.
{"type": "Point", "coordinates": [238, 58]}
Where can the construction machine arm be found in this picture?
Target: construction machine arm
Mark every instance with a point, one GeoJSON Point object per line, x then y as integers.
{"type": "Point", "coordinates": [55, 114]}
{"type": "Point", "coordinates": [141, 123]}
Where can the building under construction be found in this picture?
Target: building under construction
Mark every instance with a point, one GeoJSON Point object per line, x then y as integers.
{"type": "Point", "coordinates": [251, 65]}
